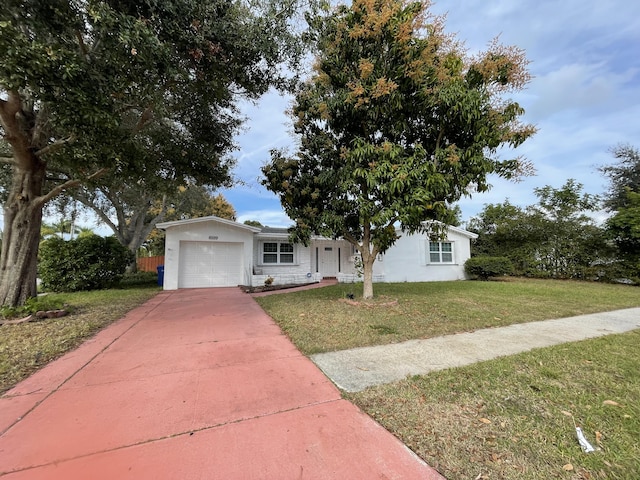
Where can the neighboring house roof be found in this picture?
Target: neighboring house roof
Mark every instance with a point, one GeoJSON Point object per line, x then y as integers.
{"type": "Point", "coordinates": [276, 231]}
{"type": "Point", "coordinates": [212, 218]}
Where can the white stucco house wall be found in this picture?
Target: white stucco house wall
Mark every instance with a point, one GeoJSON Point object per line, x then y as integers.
{"type": "Point", "coordinates": [214, 252]}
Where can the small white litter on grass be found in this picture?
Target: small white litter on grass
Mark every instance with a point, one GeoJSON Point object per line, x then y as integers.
{"type": "Point", "coordinates": [584, 443]}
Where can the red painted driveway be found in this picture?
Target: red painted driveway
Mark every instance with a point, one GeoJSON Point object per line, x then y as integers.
{"type": "Point", "coordinates": [194, 384]}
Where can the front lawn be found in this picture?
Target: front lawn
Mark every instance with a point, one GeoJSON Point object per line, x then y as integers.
{"type": "Point", "coordinates": [325, 319]}
{"type": "Point", "coordinates": [510, 418]}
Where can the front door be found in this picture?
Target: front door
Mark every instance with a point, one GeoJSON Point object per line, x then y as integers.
{"type": "Point", "coordinates": [327, 258]}
{"type": "Point", "coordinates": [329, 265]}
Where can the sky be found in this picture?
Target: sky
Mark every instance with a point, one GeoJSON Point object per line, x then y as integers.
{"type": "Point", "coordinates": [584, 98]}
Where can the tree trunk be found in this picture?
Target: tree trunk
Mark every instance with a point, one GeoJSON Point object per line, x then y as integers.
{"type": "Point", "coordinates": [133, 266]}
{"type": "Point", "coordinates": [368, 259]}
{"type": "Point", "coordinates": [21, 236]}
{"type": "Point", "coordinates": [368, 255]}
{"type": "Point", "coordinates": [367, 266]}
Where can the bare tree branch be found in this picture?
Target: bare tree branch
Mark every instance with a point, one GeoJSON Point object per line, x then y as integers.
{"type": "Point", "coordinates": [352, 240]}
{"type": "Point", "coordinates": [40, 133]}
{"type": "Point", "coordinates": [144, 233]}
{"type": "Point", "coordinates": [146, 116]}
{"type": "Point", "coordinates": [120, 214]}
{"type": "Point", "coordinates": [13, 133]}
{"type": "Point", "coordinates": [82, 198]}
{"type": "Point", "coordinates": [83, 47]}
{"type": "Point", "coordinates": [68, 184]}
{"type": "Point", "coordinates": [56, 145]}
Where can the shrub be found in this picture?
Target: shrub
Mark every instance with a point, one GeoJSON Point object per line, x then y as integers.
{"type": "Point", "coordinates": [616, 272]}
{"type": "Point", "coordinates": [139, 279]}
{"type": "Point", "coordinates": [485, 267]}
{"type": "Point", "coordinates": [88, 263]}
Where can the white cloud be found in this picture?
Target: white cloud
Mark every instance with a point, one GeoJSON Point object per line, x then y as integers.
{"type": "Point", "coordinates": [584, 98]}
{"type": "Point", "coordinates": [270, 218]}
{"type": "Point", "coordinates": [578, 87]}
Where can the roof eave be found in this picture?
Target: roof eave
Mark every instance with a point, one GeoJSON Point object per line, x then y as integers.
{"type": "Point", "coordinates": [212, 218]}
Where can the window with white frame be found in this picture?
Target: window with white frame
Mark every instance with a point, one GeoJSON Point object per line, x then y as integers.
{"type": "Point", "coordinates": [440, 252]}
{"type": "Point", "coordinates": [277, 253]}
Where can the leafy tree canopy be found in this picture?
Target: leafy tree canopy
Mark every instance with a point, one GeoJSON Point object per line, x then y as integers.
{"type": "Point", "coordinates": [567, 203]}
{"type": "Point", "coordinates": [553, 238]}
{"type": "Point", "coordinates": [139, 91]}
{"type": "Point", "coordinates": [253, 223]}
{"type": "Point", "coordinates": [623, 200]}
{"type": "Point", "coordinates": [506, 230]}
{"type": "Point", "coordinates": [624, 176]}
{"type": "Point", "coordinates": [190, 202]}
{"type": "Point", "coordinates": [196, 201]}
{"type": "Point", "coordinates": [624, 228]}
{"type": "Point", "coordinates": [395, 125]}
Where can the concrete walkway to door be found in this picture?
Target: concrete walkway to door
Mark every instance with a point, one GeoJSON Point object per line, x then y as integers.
{"type": "Point", "coordinates": [194, 384]}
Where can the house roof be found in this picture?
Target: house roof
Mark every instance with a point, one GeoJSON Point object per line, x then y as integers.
{"type": "Point", "coordinates": [461, 231]}
{"type": "Point", "coordinates": [212, 218]}
{"type": "Point", "coordinates": [453, 229]}
{"type": "Point", "coordinates": [274, 232]}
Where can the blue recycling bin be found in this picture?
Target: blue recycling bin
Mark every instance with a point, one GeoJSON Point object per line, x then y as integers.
{"type": "Point", "coordinates": [160, 269]}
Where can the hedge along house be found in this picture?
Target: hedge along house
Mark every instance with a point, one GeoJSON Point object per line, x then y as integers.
{"type": "Point", "coordinates": [214, 252]}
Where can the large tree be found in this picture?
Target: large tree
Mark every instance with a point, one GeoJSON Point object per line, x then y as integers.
{"type": "Point", "coordinates": [131, 204]}
{"type": "Point", "coordinates": [557, 237]}
{"type": "Point", "coordinates": [506, 230]}
{"type": "Point", "coordinates": [190, 202]}
{"type": "Point", "coordinates": [623, 176]}
{"type": "Point", "coordinates": [624, 228]}
{"type": "Point", "coordinates": [623, 201]}
{"type": "Point", "coordinates": [92, 88]}
{"type": "Point", "coordinates": [396, 124]}
{"type": "Point", "coordinates": [132, 210]}
{"type": "Point", "coordinates": [570, 239]}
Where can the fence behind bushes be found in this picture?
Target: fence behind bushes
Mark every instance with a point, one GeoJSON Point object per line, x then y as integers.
{"type": "Point", "coordinates": [150, 264]}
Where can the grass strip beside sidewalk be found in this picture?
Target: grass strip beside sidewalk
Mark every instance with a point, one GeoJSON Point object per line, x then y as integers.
{"type": "Point", "coordinates": [513, 418]}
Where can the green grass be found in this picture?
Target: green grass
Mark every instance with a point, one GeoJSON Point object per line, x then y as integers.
{"type": "Point", "coordinates": [512, 418]}
{"type": "Point", "coordinates": [322, 320]}
{"type": "Point", "coordinates": [26, 347]}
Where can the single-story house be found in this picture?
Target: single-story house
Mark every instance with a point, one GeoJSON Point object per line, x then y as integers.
{"type": "Point", "coordinates": [214, 252]}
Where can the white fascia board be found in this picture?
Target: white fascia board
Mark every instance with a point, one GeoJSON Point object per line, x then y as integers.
{"type": "Point", "coordinates": [212, 218]}
{"type": "Point", "coordinates": [453, 229]}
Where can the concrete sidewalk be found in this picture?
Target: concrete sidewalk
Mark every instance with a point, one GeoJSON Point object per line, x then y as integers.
{"type": "Point", "coordinates": [356, 369]}
{"type": "Point", "coordinates": [194, 384]}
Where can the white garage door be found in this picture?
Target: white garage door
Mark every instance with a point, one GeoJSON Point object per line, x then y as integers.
{"type": "Point", "coordinates": [210, 264]}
